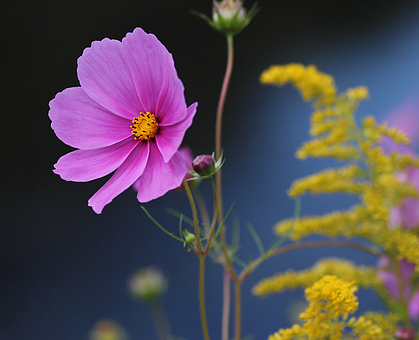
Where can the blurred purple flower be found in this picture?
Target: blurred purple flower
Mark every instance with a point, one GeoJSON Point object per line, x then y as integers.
{"type": "Point", "coordinates": [406, 214]}
{"type": "Point", "coordinates": [405, 118]}
{"type": "Point", "coordinates": [414, 306]}
{"type": "Point", "coordinates": [128, 115]}
{"type": "Point", "coordinates": [386, 272]}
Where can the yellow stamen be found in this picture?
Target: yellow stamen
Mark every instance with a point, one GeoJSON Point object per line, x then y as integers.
{"type": "Point", "coordinates": [144, 126]}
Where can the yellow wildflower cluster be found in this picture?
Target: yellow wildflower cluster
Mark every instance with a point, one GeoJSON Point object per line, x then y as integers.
{"type": "Point", "coordinates": [371, 174]}
{"type": "Point", "coordinates": [350, 223]}
{"type": "Point", "coordinates": [332, 295]}
{"type": "Point", "coordinates": [331, 301]}
{"type": "Point", "coordinates": [367, 330]}
{"type": "Point", "coordinates": [374, 132]}
{"type": "Point", "coordinates": [329, 181]}
{"type": "Point", "coordinates": [387, 322]}
{"type": "Point", "coordinates": [311, 83]}
{"type": "Point", "coordinates": [357, 93]}
{"type": "Point", "coordinates": [363, 276]}
{"type": "Point", "coordinates": [403, 243]}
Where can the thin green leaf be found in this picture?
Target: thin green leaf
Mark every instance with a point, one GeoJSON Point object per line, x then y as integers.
{"type": "Point", "coordinates": [240, 263]}
{"type": "Point", "coordinates": [177, 214]}
{"type": "Point", "coordinates": [180, 230]}
{"type": "Point", "coordinates": [222, 223]}
{"type": "Point", "coordinates": [256, 238]}
{"type": "Point", "coordinates": [277, 243]}
{"type": "Point", "coordinates": [235, 242]}
{"type": "Point", "coordinates": [160, 226]}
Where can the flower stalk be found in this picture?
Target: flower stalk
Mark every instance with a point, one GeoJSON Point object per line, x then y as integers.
{"type": "Point", "coordinates": [195, 216]}
{"type": "Point", "coordinates": [202, 297]}
{"type": "Point", "coordinates": [218, 147]}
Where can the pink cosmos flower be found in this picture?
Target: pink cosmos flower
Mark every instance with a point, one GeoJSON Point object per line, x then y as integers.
{"type": "Point", "coordinates": [128, 115]}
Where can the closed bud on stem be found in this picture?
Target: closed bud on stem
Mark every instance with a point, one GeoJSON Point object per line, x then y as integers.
{"type": "Point", "coordinates": [229, 17]}
{"type": "Point", "coordinates": [188, 236]}
{"type": "Point", "coordinates": [147, 284]}
{"type": "Point", "coordinates": [227, 10]}
{"type": "Point", "coordinates": [404, 334]}
{"type": "Point", "coordinates": [204, 165]}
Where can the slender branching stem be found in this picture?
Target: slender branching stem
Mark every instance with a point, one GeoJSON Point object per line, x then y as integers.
{"type": "Point", "coordinates": [194, 214]}
{"type": "Point", "coordinates": [219, 119]}
{"type": "Point", "coordinates": [202, 296]}
{"type": "Point", "coordinates": [214, 218]}
{"type": "Point", "coordinates": [237, 310]}
{"type": "Point", "coordinates": [402, 292]}
{"type": "Point", "coordinates": [226, 305]}
{"type": "Point", "coordinates": [218, 148]}
{"type": "Point", "coordinates": [202, 208]}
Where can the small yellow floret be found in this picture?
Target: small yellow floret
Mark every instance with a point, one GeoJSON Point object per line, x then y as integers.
{"type": "Point", "coordinates": [357, 93]}
{"type": "Point", "coordinates": [311, 83]}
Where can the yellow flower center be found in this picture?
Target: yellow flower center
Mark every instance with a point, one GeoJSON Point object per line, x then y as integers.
{"type": "Point", "coordinates": [144, 126]}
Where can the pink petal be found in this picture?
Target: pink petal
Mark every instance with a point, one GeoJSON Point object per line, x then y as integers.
{"type": "Point", "coordinates": [104, 75]}
{"type": "Point", "coordinates": [86, 165]}
{"type": "Point", "coordinates": [187, 156]}
{"type": "Point", "coordinates": [160, 177]}
{"type": "Point", "coordinates": [155, 78]}
{"type": "Point", "coordinates": [82, 123]}
{"type": "Point", "coordinates": [123, 178]}
{"type": "Point", "coordinates": [170, 137]}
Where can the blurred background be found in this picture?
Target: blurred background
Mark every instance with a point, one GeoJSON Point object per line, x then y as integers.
{"type": "Point", "coordinates": [63, 267]}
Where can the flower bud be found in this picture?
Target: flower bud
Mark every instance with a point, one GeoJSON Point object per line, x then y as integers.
{"type": "Point", "coordinates": [227, 9]}
{"type": "Point", "coordinates": [148, 284]}
{"type": "Point", "coordinates": [107, 330]}
{"type": "Point", "coordinates": [229, 17]}
{"type": "Point", "coordinates": [188, 236]}
{"type": "Point", "coordinates": [404, 334]}
{"type": "Point", "coordinates": [204, 165]}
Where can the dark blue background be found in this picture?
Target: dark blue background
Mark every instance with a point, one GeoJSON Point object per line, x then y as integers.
{"type": "Point", "coordinates": [63, 267]}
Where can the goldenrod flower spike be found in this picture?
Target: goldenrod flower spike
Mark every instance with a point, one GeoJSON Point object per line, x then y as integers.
{"type": "Point", "coordinates": [312, 84]}
{"type": "Point", "coordinates": [363, 276]}
{"type": "Point", "coordinates": [370, 173]}
{"type": "Point", "coordinates": [331, 301]}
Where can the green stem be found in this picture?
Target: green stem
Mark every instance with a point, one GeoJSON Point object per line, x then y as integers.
{"type": "Point", "coordinates": [202, 297]}
{"type": "Point", "coordinates": [402, 291]}
{"type": "Point", "coordinates": [194, 214]}
{"type": "Point", "coordinates": [219, 119]}
{"type": "Point", "coordinates": [202, 208]}
{"type": "Point", "coordinates": [214, 218]}
{"type": "Point", "coordinates": [226, 306]}
{"type": "Point", "coordinates": [237, 309]}
{"type": "Point", "coordinates": [218, 148]}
